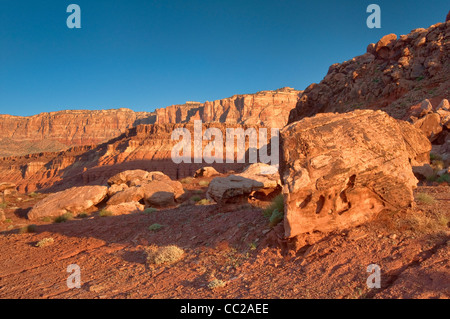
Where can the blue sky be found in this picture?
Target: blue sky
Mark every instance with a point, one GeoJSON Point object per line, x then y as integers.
{"type": "Point", "coordinates": [149, 54]}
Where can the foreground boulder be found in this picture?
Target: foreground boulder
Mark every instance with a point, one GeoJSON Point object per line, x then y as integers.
{"type": "Point", "coordinates": [73, 200]}
{"type": "Point", "coordinates": [125, 208]}
{"type": "Point", "coordinates": [256, 180]}
{"type": "Point", "coordinates": [339, 170]}
{"type": "Point", "coordinates": [151, 188]}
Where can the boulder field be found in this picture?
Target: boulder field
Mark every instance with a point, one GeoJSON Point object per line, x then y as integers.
{"type": "Point", "coordinates": [128, 192]}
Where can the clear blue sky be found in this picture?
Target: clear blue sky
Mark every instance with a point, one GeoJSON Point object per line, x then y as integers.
{"type": "Point", "coordinates": [149, 54]}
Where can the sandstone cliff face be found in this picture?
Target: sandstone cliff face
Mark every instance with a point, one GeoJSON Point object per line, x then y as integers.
{"type": "Point", "coordinates": [59, 130]}
{"type": "Point", "coordinates": [56, 131]}
{"type": "Point", "coordinates": [267, 108]}
{"type": "Point", "coordinates": [394, 74]}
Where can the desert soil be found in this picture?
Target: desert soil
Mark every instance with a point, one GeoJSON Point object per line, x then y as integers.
{"type": "Point", "coordinates": [234, 244]}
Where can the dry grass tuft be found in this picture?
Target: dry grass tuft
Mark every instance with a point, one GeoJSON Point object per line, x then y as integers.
{"type": "Point", "coordinates": [164, 255]}
{"type": "Point", "coordinates": [45, 242]}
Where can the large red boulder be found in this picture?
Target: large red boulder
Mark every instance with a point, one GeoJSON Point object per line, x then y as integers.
{"type": "Point", "coordinates": [340, 170]}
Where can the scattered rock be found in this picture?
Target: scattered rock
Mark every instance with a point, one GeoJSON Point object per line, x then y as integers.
{"type": "Point", "coordinates": [131, 194]}
{"type": "Point", "coordinates": [256, 180]}
{"type": "Point", "coordinates": [74, 200]}
{"type": "Point", "coordinates": [125, 208]}
{"type": "Point", "coordinates": [423, 172]}
{"type": "Point", "coordinates": [206, 172]}
{"type": "Point", "coordinates": [444, 105]}
{"type": "Point", "coordinates": [425, 108]}
{"type": "Point", "coordinates": [159, 194]}
{"type": "Point", "coordinates": [115, 188]}
{"type": "Point", "coordinates": [136, 177]}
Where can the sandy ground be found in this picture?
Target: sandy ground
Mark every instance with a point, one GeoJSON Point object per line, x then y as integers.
{"type": "Point", "coordinates": [233, 244]}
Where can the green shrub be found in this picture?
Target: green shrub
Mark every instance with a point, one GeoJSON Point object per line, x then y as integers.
{"type": "Point", "coordinates": [105, 213]}
{"type": "Point", "coordinates": [186, 180]}
{"type": "Point", "coordinates": [444, 178]}
{"type": "Point", "coordinates": [28, 229]}
{"type": "Point", "coordinates": [164, 255]}
{"type": "Point", "coordinates": [47, 219]}
{"type": "Point", "coordinates": [45, 242]}
{"type": "Point", "coordinates": [3, 205]}
{"type": "Point", "coordinates": [203, 183]}
{"type": "Point", "coordinates": [425, 198]}
{"type": "Point", "coordinates": [277, 203]}
{"type": "Point", "coordinates": [434, 157]}
{"type": "Point", "coordinates": [196, 198]}
{"type": "Point", "coordinates": [63, 218]}
{"type": "Point", "coordinates": [276, 217]}
{"type": "Point", "coordinates": [150, 210]}
{"type": "Point", "coordinates": [83, 215]}
{"type": "Point", "coordinates": [155, 227]}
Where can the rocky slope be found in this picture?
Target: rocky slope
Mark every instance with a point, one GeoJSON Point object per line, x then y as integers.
{"type": "Point", "coordinates": [56, 131]}
{"type": "Point", "coordinates": [394, 75]}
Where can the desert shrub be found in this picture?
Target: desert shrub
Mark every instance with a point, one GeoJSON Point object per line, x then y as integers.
{"type": "Point", "coordinates": [438, 164]}
{"type": "Point", "coordinates": [425, 198]}
{"type": "Point", "coordinates": [3, 205]}
{"type": "Point", "coordinates": [164, 255]}
{"type": "Point", "coordinates": [186, 180]}
{"type": "Point", "coordinates": [434, 157]}
{"type": "Point", "coordinates": [276, 217]}
{"type": "Point", "coordinates": [33, 194]}
{"type": "Point", "coordinates": [155, 227]}
{"type": "Point", "coordinates": [8, 220]}
{"type": "Point", "coordinates": [203, 183]}
{"type": "Point", "coordinates": [216, 283]}
{"type": "Point", "coordinates": [277, 203]}
{"type": "Point", "coordinates": [63, 218]}
{"type": "Point", "coordinates": [204, 201]}
{"type": "Point", "coordinates": [46, 219]}
{"type": "Point", "coordinates": [196, 198]}
{"type": "Point", "coordinates": [150, 210]}
{"type": "Point", "coordinates": [45, 242]}
{"type": "Point", "coordinates": [105, 213]}
{"type": "Point", "coordinates": [28, 229]}
{"type": "Point", "coordinates": [83, 215]}
{"type": "Point", "coordinates": [444, 178]}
